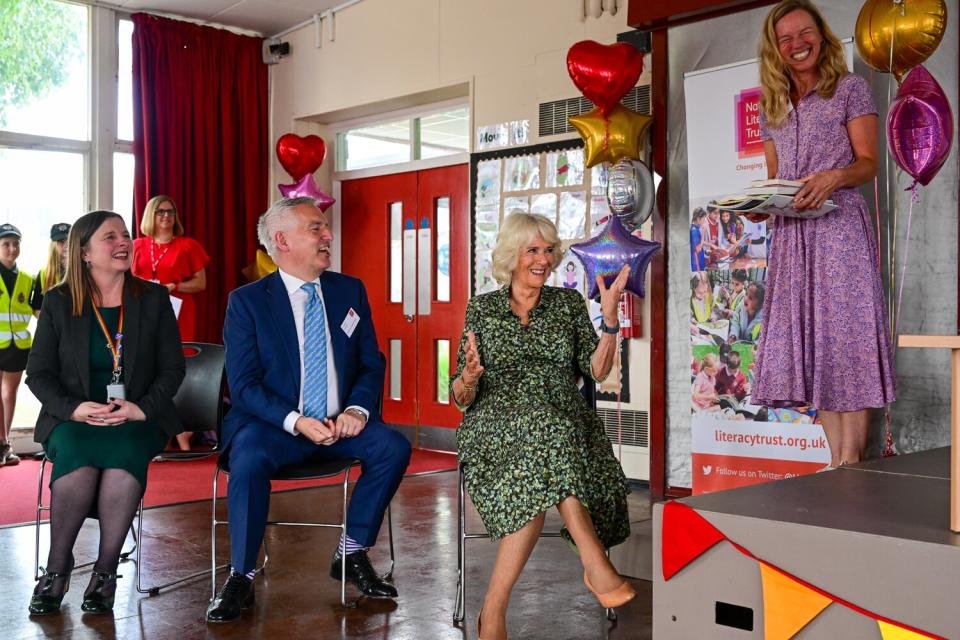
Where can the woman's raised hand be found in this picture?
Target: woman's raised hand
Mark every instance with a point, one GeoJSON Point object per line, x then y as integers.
{"type": "Point", "coordinates": [472, 369]}
{"type": "Point", "coordinates": [610, 296]}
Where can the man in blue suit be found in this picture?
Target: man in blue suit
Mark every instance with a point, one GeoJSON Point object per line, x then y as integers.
{"type": "Point", "coordinates": [305, 374]}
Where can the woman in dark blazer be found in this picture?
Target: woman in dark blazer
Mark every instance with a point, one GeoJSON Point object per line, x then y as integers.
{"type": "Point", "coordinates": [105, 364]}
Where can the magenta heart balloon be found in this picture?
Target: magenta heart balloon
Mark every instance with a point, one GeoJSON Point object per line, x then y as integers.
{"type": "Point", "coordinates": [920, 126]}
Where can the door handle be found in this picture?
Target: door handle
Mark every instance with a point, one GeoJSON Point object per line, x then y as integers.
{"type": "Point", "coordinates": [408, 317]}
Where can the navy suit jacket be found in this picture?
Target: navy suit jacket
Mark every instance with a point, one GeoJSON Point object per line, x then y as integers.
{"type": "Point", "coordinates": [263, 353]}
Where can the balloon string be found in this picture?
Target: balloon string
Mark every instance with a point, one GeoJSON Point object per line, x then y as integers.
{"type": "Point", "coordinates": [891, 232]}
{"type": "Point", "coordinates": [619, 391]}
{"type": "Point", "coordinates": [914, 197]}
{"type": "Point", "coordinates": [876, 210]}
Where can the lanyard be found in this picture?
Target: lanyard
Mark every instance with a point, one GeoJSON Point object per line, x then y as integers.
{"type": "Point", "coordinates": [114, 345]}
{"type": "Point", "coordinates": [155, 261]}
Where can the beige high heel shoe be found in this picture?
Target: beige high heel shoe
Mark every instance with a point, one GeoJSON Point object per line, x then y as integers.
{"type": "Point", "coordinates": [612, 599]}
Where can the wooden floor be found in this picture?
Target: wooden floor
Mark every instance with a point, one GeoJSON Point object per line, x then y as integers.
{"type": "Point", "coordinates": [297, 599]}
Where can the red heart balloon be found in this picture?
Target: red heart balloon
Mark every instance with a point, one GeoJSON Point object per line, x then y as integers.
{"type": "Point", "coordinates": [604, 73]}
{"type": "Point", "coordinates": [300, 155]}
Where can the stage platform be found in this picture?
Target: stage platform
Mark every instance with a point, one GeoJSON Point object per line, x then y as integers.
{"type": "Point", "coordinates": [875, 534]}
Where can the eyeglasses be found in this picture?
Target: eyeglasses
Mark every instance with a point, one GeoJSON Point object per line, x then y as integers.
{"type": "Point", "coordinates": [165, 212]}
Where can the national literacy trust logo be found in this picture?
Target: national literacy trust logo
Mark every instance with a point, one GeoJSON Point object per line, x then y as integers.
{"type": "Point", "coordinates": [747, 125]}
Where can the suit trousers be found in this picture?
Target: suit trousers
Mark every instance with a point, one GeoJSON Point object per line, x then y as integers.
{"type": "Point", "coordinates": [259, 449]}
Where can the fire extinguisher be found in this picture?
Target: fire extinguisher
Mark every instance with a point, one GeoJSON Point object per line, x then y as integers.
{"type": "Point", "coordinates": [631, 316]}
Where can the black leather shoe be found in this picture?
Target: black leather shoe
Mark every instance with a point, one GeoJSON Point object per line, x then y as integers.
{"type": "Point", "coordinates": [49, 593]}
{"type": "Point", "coordinates": [360, 572]}
{"type": "Point", "coordinates": [236, 595]}
{"type": "Point", "coordinates": [98, 598]}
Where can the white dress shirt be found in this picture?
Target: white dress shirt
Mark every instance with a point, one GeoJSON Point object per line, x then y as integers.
{"type": "Point", "coordinates": [298, 304]}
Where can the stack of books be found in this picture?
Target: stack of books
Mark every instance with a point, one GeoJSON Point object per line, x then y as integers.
{"type": "Point", "coordinates": [772, 197]}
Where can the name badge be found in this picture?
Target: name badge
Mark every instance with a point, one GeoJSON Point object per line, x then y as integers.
{"type": "Point", "coordinates": [350, 322]}
{"type": "Point", "coordinates": [116, 392]}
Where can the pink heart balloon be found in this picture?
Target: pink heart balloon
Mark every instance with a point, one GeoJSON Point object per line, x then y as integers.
{"type": "Point", "coordinates": [920, 126]}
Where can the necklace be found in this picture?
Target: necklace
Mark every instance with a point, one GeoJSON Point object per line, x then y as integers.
{"type": "Point", "coordinates": [154, 258]}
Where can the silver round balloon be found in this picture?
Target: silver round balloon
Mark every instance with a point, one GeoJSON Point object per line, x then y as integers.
{"type": "Point", "coordinates": [630, 192]}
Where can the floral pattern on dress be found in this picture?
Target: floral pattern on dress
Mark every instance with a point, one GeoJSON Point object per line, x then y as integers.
{"type": "Point", "coordinates": [826, 338]}
{"type": "Point", "coordinates": [529, 439]}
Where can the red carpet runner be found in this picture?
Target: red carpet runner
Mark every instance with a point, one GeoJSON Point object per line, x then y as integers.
{"type": "Point", "coordinates": [170, 483]}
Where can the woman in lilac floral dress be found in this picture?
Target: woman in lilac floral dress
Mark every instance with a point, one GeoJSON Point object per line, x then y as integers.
{"type": "Point", "coordinates": [825, 341]}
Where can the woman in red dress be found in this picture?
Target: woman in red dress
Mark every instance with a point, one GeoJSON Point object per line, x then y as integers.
{"type": "Point", "coordinates": [166, 256]}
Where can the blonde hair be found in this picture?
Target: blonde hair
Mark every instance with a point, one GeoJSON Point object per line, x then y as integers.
{"type": "Point", "coordinates": [55, 270]}
{"type": "Point", "coordinates": [710, 360]}
{"type": "Point", "coordinates": [150, 212]}
{"type": "Point", "coordinates": [775, 79]}
{"type": "Point", "coordinates": [519, 229]}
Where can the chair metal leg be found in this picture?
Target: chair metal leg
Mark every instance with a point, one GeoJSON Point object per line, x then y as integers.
{"type": "Point", "coordinates": [393, 560]}
{"type": "Point", "coordinates": [138, 546]}
{"type": "Point", "coordinates": [36, 530]}
{"type": "Point", "coordinates": [343, 560]}
{"type": "Point", "coordinates": [458, 610]}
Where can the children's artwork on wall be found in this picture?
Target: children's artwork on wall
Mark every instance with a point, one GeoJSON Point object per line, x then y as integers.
{"type": "Point", "coordinates": [599, 214]}
{"type": "Point", "coordinates": [483, 274]}
{"type": "Point", "coordinates": [488, 182]}
{"type": "Point", "coordinates": [516, 204]}
{"type": "Point", "coordinates": [573, 215]}
{"type": "Point", "coordinates": [570, 274]}
{"type": "Point", "coordinates": [522, 173]}
{"type": "Point", "coordinates": [565, 168]}
{"type": "Point", "coordinates": [544, 204]}
{"type": "Point", "coordinates": [599, 176]}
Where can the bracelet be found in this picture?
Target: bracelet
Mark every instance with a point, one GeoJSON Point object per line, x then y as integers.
{"type": "Point", "coordinates": [604, 328]}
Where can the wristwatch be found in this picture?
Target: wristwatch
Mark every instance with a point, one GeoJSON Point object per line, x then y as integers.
{"type": "Point", "coordinates": [604, 328]}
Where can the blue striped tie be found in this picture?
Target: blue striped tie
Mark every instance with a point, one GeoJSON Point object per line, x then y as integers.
{"type": "Point", "coordinates": [314, 355]}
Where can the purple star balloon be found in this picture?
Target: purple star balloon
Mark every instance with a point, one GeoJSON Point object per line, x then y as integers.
{"type": "Point", "coordinates": [307, 187]}
{"type": "Point", "coordinates": [605, 255]}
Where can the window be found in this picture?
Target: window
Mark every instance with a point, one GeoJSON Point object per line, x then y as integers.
{"type": "Point", "coordinates": [60, 158]}
{"type": "Point", "coordinates": [44, 70]}
{"type": "Point", "coordinates": [392, 141]}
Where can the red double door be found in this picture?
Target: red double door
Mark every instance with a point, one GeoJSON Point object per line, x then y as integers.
{"type": "Point", "coordinates": [405, 235]}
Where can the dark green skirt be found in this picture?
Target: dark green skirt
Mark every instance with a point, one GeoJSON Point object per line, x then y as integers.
{"type": "Point", "coordinates": [129, 446]}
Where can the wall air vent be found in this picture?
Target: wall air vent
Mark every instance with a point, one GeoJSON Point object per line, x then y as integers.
{"type": "Point", "coordinates": [634, 427]}
{"type": "Point", "coordinates": [553, 115]}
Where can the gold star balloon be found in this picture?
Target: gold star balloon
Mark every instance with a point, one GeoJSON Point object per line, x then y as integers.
{"type": "Point", "coordinates": [262, 266]}
{"type": "Point", "coordinates": [621, 135]}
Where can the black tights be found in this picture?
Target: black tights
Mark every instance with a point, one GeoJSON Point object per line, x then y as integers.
{"type": "Point", "coordinates": [117, 494]}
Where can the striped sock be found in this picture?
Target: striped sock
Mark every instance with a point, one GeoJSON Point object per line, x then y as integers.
{"type": "Point", "coordinates": [348, 545]}
{"type": "Point", "coordinates": [249, 574]}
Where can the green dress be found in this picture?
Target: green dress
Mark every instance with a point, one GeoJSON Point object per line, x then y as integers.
{"type": "Point", "coordinates": [129, 446]}
{"type": "Point", "coordinates": [529, 439]}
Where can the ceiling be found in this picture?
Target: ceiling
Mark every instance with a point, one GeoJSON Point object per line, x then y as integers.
{"type": "Point", "coordinates": [267, 17]}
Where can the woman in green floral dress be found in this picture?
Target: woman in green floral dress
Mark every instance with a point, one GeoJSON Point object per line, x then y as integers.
{"type": "Point", "coordinates": [528, 440]}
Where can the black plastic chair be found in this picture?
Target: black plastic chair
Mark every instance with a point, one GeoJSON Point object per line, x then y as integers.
{"type": "Point", "coordinates": [199, 403]}
{"type": "Point", "coordinates": [305, 471]}
{"type": "Point", "coordinates": [589, 391]}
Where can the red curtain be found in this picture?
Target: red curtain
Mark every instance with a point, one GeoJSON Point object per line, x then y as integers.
{"type": "Point", "coordinates": [200, 136]}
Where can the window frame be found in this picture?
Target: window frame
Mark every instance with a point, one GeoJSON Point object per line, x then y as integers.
{"type": "Point", "coordinates": [414, 115]}
{"type": "Point", "coordinates": [102, 79]}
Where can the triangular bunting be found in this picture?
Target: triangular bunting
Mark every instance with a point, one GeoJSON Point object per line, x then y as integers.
{"type": "Point", "coordinates": [685, 535]}
{"type": "Point", "coordinates": [890, 631]}
{"type": "Point", "coordinates": [787, 604]}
